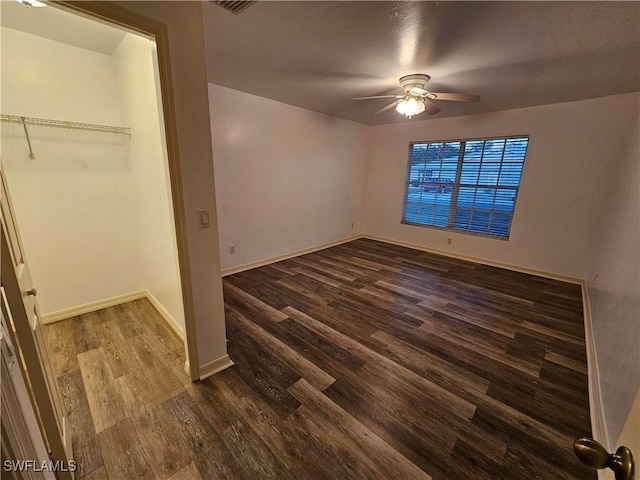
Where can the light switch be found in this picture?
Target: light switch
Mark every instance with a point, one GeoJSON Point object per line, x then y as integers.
{"type": "Point", "coordinates": [204, 219]}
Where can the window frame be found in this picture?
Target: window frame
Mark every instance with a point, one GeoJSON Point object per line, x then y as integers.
{"type": "Point", "coordinates": [457, 185]}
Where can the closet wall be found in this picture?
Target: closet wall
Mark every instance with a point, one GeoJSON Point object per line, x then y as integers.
{"type": "Point", "coordinates": [135, 64]}
{"type": "Point", "coordinates": [92, 208]}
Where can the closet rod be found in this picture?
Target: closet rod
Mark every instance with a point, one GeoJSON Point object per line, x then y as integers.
{"type": "Point", "coordinates": [63, 124]}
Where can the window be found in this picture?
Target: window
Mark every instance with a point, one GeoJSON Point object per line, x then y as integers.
{"type": "Point", "coordinates": [464, 185]}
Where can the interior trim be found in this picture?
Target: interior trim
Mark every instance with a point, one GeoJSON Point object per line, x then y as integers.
{"type": "Point", "coordinates": [596, 410]}
{"type": "Point", "coordinates": [483, 261]}
{"type": "Point", "coordinates": [297, 253]}
{"type": "Point", "coordinates": [165, 314]}
{"type": "Point", "coordinates": [66, 313]}
{"type": "Point", "coordinates": [215, 366]}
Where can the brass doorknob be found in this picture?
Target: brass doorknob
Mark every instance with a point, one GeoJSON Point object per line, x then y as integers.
{"type": "Point", "coordinates": [594, 455]}
{"type": "Point", "coordinates": [32, 291]}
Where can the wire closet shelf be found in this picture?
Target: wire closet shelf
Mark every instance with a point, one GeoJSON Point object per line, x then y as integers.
{"type": "Point", "coordinates": [42, 122]}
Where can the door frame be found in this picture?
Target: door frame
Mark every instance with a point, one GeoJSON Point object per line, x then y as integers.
{"type": "Point", "coordinates": [118, 16]}
{"type": "Point", "coordinates": [22, 438]}
{"type": "Point", "coordinates": [25, 334]}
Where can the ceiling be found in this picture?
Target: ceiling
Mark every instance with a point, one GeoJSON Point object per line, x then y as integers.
{"type": "Point", "coordinates": [320, 54]}
{"type": "Point", "coordinates": [57, 24]}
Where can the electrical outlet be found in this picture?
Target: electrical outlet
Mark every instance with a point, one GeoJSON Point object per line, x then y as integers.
{"type": "Point", "coordinates": [448, 241]}
{"type": "Point", "coordinates": [232, 249]}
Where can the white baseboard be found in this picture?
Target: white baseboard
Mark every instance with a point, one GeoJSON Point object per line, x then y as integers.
{"type": "Point", "coordinates": [297, 253]}
{"type": "Point", "coordinates": [91, 307]}
{"type": "Point", "coordinates": [111, 302]}
{"type": "Point", "coordinates": [166, 315]}
{"type": "Point", "coordinates": [482, 261]}
{"type": "Point", "coordinates": [205, 371]}
{"type": "Point", "coordinates": [215, 366]}
{"type": "Point", "coordinates": [596, 410]}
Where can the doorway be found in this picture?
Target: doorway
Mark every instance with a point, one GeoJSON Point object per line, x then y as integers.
{"type": "Point", "coordinates": [85, 157]}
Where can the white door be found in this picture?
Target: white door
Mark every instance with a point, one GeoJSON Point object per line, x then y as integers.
{"type": "Point", "coordinates": [23, 445]}
{"type": "Point", "coordinates": [23, 324]}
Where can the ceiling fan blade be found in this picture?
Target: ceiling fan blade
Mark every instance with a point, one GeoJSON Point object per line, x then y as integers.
{"type": "Point", "coordinates": [430, 108]}
{"type": "Point", "coordinates": [418, 91]}
{"type": "Point", "coordinates": [455, 97]}
{"type": "Point", "coordinates": [388, 107]}
{"type": "Point", "coordinates": [379, 96]}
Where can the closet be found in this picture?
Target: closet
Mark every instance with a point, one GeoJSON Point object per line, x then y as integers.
{"type": "Point", "coordinates": [85, 160]}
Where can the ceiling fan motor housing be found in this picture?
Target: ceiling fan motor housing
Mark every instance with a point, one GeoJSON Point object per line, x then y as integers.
{"type": "Point", "coordinates": [416, 80]}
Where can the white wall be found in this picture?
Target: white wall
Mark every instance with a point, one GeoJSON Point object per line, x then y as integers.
{"type": "Point", "coordinates": [73, 201]}
{"type": "Point", "coordinates": [287, 178]}
{"type": "Point", "coordinates": [138, 99]}
{"type": "Point", "coordinates": [566, 174]}
{"type": "Point", "coordinates": [46, 76]}
{"type": "Point", "coordinates": [614, 291]}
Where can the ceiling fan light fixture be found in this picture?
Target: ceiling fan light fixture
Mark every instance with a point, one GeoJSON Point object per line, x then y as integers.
{"type": "Point", "coordinates": [417, 99]}
{"type": "Point", "coordinates": [410, 106]}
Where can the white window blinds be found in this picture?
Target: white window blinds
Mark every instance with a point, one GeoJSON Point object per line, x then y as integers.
{"type": "Point", "coordinates": [464, 185]}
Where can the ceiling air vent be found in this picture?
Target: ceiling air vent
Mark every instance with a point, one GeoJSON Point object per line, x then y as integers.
{"type": "Point", "coordinates": [234, 7]}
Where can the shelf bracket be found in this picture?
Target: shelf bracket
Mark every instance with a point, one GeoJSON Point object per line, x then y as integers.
{"type": "Point", "coordinates": [26, 133]}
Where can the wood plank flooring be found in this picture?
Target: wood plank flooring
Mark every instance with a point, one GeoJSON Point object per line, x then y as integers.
{"type": "Point", "coordinates": [364, 360]}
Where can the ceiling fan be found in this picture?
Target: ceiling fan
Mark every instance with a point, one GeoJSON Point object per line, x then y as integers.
{"type": "Point", "coordinates": [417, 98]}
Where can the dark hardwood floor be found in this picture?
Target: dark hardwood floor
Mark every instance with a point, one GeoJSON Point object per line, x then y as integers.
{"type": "Point", "coordinates": [365, 360]}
